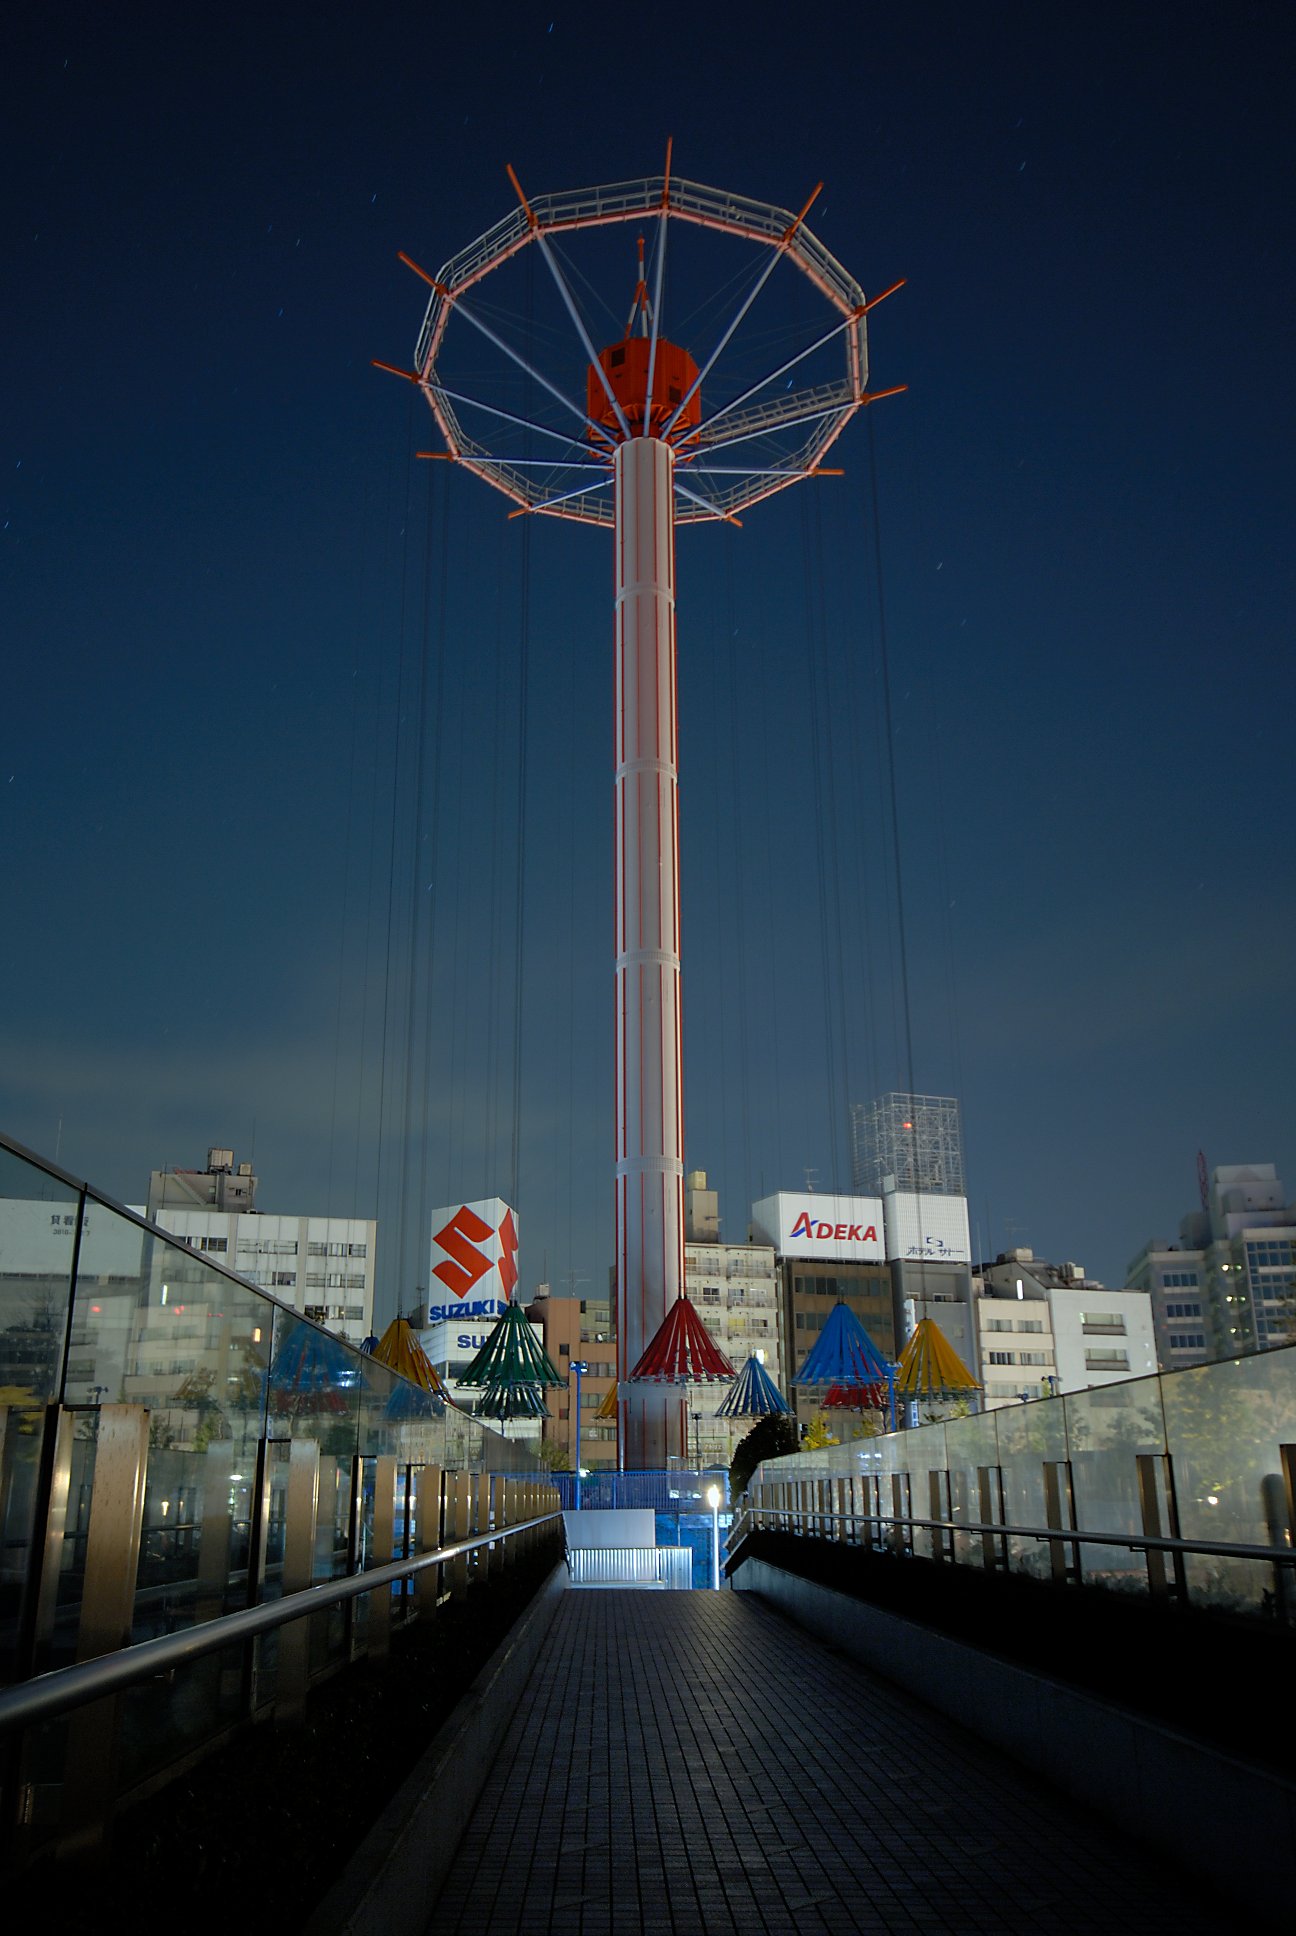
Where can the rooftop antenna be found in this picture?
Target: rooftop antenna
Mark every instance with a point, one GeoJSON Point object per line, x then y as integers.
{"type": "Point", "coordinates": [1203, 1182]}
{"type": "Point", "coordinates": [638, 453]}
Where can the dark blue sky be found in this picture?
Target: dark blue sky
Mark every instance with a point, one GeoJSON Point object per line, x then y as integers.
{"type": "Point", "coordinates": [230, 598]}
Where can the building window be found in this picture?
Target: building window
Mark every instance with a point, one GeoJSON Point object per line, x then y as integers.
{"type": "Point", "coordinates": [1183, 1310]}
{"type": "Point", "coordinates": [1187, 1341]}
{"type": "Point", "coordinates": [1003, 1357]}
{"type": "Point", "coordinates": [1106, 1360]}
{"type": "Point", "coordinates": [357, 1250]}
{"type": "Point", "coordinates": [1110, 1321]}
{"type": "Point", "coordinates": [283, 1280]}
{"type": "Point", "coordinates": [213, 1243]}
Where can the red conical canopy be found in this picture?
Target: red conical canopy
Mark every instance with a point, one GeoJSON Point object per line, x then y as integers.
{"type": "Point", "coordinates": [682, 1352]}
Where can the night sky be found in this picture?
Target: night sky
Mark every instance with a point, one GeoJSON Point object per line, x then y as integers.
{"type": "Point", "coordinates": [263, 731]}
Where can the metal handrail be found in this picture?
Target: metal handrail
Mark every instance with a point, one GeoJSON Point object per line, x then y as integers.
{"type": "Point", "coordinates": [1131, 1542]}
{"type": "Point", "coordinates": [54, 1693]}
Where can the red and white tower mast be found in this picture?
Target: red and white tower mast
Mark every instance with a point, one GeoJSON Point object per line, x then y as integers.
{"type": "Point", "coordinates": [646, 457]}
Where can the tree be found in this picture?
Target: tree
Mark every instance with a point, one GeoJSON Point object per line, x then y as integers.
{"type": "Point", "coordinates": [554, 1457]}
{"type": "Point", "coordinates": [769, 1438]}
{"type": "Point", "coordinates": [819, 1434]}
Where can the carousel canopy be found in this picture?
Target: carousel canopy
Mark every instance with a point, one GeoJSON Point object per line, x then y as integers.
{"type": "Point", "coordinates": [608, 1409]}
{"type": "Point", "coordinates": [855, 1398]}
{"type": "Point", "coordinates": [400, 1350]}
{"type": "Point", "coordinates": [843, 1354]}
{"type": "Point", "coordinates": [754, 1396]}
{"type": "Point", "coordinates": [683, 1352]}
{"type": "Point", "coordinates": [512, 1369]}
{"type": "Point", "coordinates": [930, 1367]}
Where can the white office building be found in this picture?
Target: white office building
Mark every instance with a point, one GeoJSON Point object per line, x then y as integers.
{"type": "Point", "coordinates": [322, 1266]}
{"type": "Point", "coordinates": [1045, 1328]}
{"type": "Point", "coordinates": [1229, 1285]}
{"type": "Point", "coordinates": [735, 1290]}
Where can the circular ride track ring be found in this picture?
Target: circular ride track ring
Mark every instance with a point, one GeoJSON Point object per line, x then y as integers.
{"type": "Point", "coordinates": [704, 491]}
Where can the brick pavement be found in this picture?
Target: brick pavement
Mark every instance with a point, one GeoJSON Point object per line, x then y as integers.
{"type": "Point", "coordinates": [687, 1764]}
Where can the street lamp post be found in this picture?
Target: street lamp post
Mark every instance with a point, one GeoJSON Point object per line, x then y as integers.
{"type": "Point", "coordinates": [713, 1500]}
{"type": "Point", "coordinates": [578, 1365]}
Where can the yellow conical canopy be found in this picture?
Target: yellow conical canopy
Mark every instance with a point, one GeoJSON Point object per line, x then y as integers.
{"type": "Point", "coordinates": [930, 1367]}
{"type": "Point", "coordinates": [608, 1409]}
{"type": "Point", "coordinates": [400, 1350]}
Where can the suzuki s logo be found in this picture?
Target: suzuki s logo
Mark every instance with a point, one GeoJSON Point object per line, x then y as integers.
{"type": "Point", "coordinates": [463, 1264]}
{"type": "Point", "coordinates": [841, 1233]}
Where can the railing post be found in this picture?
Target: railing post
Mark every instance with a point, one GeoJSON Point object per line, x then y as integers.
{"type": "Point", "coordinates": [386, 1479]}
{"type": "Point", "coordinates": [939, 1508]}
{"type": "Point", "coordinates": [107, 1609]}
{"type": "Point", "coordinates": [901, 1534]}
{"type": "Point", "coordinates": [503, 1553]}
{"type": "Point", "coordinates": [214, 1546]}
{"type": "Point", "coordinates": [1059, 1517]}
{"type": "Point", "coordinates": [990, 1511]}
{"type": "Point", "coordinates": [355, 1557]}
{"type": "Point", "coordinates": [49, 1522]}
{"type": "Point", "coordinates": [427, 1587]}
{"type": "Point", "coordinates": [481, 1523]}
{"type": "Point", "coordinates": [456, 1525]}
{"type": "Point", "coordinates": [1150, 1514]}
{"type": "Point", "coordinates": [301, 1515]}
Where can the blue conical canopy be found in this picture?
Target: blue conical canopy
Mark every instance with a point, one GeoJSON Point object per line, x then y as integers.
{"type": "Point", "coordinates": [755, 1395]}
{"type": "Point", "coordinates": [843, 1354]}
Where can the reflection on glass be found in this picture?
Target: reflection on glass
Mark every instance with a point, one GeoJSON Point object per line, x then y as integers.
{"type": "Point", "coordinates": [38, 1226]}
{"type": "Point", "coordinates": [1225, 1426]}
{"type": "Point", "coordinates": [1205, 1443]}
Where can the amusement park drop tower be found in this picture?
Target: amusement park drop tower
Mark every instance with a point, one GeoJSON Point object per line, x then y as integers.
{"type": "Point", "coordinates": [645, 459]}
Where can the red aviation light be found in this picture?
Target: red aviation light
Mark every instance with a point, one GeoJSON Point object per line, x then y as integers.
{"type": "Point", "coordinates": [625, 365]}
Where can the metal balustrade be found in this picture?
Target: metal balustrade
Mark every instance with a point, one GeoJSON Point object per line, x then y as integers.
{"type": "Point", "coordinates": [179, 1448]}
{"type": "Point", "coordinates": [1181, 1486]}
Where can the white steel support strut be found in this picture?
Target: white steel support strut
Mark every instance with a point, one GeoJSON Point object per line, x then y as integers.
{"type": "Point", "coordinates": [650, 1107]}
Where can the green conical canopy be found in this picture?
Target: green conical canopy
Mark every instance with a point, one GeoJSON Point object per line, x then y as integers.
{"type": "Point", "coordinates": [512, 1369]}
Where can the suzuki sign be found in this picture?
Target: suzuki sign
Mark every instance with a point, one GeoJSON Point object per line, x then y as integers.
{"type": "Point", "coordinates": [805, 1224]}
{"type": "Point", "coordinates": [474, 1251]}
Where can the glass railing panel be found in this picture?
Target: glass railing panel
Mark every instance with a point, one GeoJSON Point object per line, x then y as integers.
{"type": "Point", "coordinates": [972, 1447]}
{"type": "Point", "coordinates": [1030, 1438]}
{"type": "Point", "coordinates": [38, 1225]}
{"type": "Point", "coordinates": [1108, 1429]}
{"type": "Point", "coordinates": [1225, 1425]}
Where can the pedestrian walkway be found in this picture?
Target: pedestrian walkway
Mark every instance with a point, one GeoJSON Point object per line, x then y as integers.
{"type": "Point", "coordinates": [687, 1764]}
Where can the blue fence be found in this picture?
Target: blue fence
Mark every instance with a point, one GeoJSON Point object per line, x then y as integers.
{"type": "Point", "coordinates": [670, 1492]}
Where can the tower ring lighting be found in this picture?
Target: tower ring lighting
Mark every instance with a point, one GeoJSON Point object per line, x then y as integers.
{"type": "Point", "coordinates": [735, 441]}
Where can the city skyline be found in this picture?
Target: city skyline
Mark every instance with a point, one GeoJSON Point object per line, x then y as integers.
{"type": "Point", "coordinates": [223, 570]}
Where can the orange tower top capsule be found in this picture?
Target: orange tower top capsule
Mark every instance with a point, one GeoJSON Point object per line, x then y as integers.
{"type": "Point", "coordinates": [626, 367]}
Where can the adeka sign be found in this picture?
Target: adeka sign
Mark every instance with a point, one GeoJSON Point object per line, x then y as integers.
{"type": "Point", "coordinates": [850, 1233]}
{"type": "Point", "coordinates": [848, 1229]}
{"type": "Point", "coordinates": [475, 1249]}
